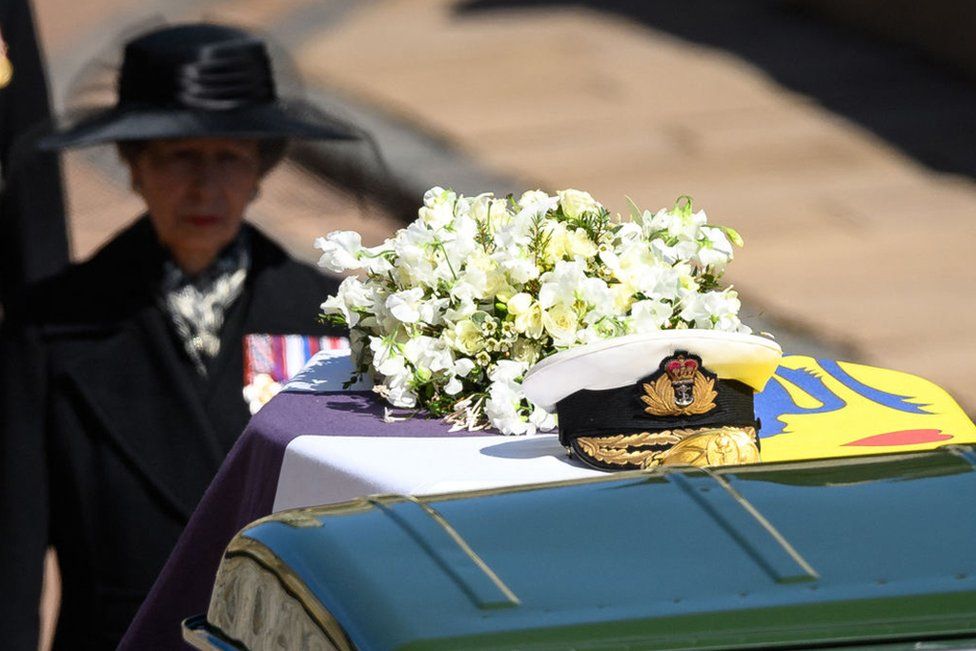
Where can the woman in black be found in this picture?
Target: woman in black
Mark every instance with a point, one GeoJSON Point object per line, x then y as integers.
{"type": "Point", "coordinates": [122, 384]}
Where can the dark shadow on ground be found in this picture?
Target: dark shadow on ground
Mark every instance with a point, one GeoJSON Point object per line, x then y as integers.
{"type": "Point", "coordinates": [925, 109]}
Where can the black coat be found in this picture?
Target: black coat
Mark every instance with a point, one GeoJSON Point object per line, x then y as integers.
{"type": "Point", "coordinates": [33, 244]}
{"type": "Point", "coordinates": [133, 435]}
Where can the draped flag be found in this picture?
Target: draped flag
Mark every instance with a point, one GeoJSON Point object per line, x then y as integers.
{"type": "Point", "coordinates": [818, 408]}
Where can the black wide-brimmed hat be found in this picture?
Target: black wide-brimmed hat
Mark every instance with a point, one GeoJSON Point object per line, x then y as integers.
{"type": "Point", "coordinates": [198, 81]}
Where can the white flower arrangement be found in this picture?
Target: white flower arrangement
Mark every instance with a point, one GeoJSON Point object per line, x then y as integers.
{"type": "Point", "coordinates": [455, 308]}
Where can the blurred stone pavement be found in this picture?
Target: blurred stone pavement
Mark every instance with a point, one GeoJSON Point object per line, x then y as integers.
{"type": "Point", "coordinates": [846, 163]}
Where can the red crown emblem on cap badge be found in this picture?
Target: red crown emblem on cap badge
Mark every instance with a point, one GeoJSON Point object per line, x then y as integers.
{"type": "Point", "coordinates": [681, 370]}
{"type": "Point", "coordinates": [681, 387]}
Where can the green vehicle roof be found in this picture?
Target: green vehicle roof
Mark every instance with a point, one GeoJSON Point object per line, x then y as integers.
{"type": "Point", "coordinates": [838, 551]}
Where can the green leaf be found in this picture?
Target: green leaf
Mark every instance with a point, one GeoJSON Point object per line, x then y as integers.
{"type": "Point", "coordinates": [635, 213]}
{"type": "Point", "coordinates": [333, 319]}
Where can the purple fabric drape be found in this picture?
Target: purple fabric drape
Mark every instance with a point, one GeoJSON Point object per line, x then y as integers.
{"type": "Point", "coordinates": [243, 491]}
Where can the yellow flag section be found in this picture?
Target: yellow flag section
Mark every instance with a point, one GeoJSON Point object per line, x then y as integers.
{"type": "Point", "coordinates": [817, 408]}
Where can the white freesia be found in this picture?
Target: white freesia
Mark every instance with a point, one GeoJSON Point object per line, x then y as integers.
{"type": "Point", "coordinates": [397, 391]}
{"type": "Point", "coordinates": [503, 409]}
{"type": "Point", "coordinates": [542, 419]}
{"type": "Point", "coordinates": [456, 307]}
{"type": "Point", "coordinates": [649, 316]}
{"type": "Point", "coordinates": [595, 293]}
{"type": "Point", "coordinates": [682, 250]}
{"type": "Point", "coordinates": [506, 398]}
{"type": "Point", "coordinates": [507, 371]}
{"type": "Point", "coordinates": [486, 209]}
{"type": "Point", "coordinates": [374, 259]}
{"type": "Point", "coordinates": [405, 305]}
{"type": "Point", "coordinates": [712, 308]}
{"type": "Point", "coordinates": [387, 358]}
{"type": "Point", "coordinates": [716, 250]}
{"type": "Point", "coordinates": [340, 250]}
{"type": "Point", "coordinates": [427, 353]}
{"type": "Point", "coordinates": [461, 368]}
{"type": "Point", "coordinates": [520, 269]}
{"type": "Point", "coordinates": [527, 313]}
{"type": "Point", "coordinates": [560, 284]}
{"type": "Point", "coordinates": [438, 209]}
{"type": "Point", "coordinates": [352, 298]}
{"type": "Point", "coordinates": [537, 202]}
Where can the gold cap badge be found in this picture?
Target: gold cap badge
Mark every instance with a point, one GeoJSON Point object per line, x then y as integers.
{"type": "Point", "coordinates": [682, 388]}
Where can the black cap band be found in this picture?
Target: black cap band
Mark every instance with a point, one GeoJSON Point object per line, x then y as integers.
{"type": "Point", "coordinates": [622, 411]}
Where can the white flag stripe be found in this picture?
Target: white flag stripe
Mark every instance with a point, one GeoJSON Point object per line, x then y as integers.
{"type": "Point", "coordinates": [294, 354]}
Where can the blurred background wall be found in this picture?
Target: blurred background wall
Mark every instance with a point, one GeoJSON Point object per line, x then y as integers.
{"type": "Point", "coordinates": [943, 29]}
{"type": "Point", "coordinates": [837, 137]}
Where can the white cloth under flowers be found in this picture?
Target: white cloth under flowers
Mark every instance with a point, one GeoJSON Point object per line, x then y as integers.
{"type": "Point", "coordinates": [457, 306]}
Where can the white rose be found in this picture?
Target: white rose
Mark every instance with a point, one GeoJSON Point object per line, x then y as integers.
{"type": "Point", "coordinates": [525, 350]}
{"type": "Point", "coordinates": [561, 324]}
{"type": "Point", "coordinates": [466, 337]}
{"type": "Point", "coordinates": [579, 244]}
{"type": "Point", "coordinates": [576, 202]}
{"type": "Point", "coordinates": [533, 197]}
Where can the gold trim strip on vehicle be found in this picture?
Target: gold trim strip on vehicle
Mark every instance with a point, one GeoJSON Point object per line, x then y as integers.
{"type": "Point", "coordinates": [466, 548]}
{"type": "Point", "coordinates": [292, 584]}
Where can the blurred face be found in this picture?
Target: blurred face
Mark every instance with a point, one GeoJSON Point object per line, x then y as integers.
{"type": "Point", "coordinates": [196, 191]}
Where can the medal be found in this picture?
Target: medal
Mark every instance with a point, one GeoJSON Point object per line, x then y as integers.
{"type": "Point", "coordinates": [6, 71]}
{"type": "Point", "coordinates": [6, 68]}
